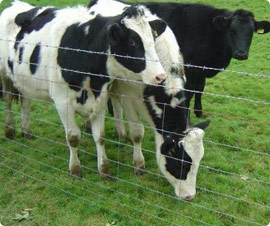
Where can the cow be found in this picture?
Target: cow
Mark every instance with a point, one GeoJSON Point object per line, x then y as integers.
{"type": "Point", "coordinates": [208, 37]}
{"type": "Point", "coordinates": [51, 53]}
{"type": "Point", "coordinates": [179, 148]}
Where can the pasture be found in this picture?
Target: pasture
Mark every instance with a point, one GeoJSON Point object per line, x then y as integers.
{"type": "Point", "coordinates": [233, 182]}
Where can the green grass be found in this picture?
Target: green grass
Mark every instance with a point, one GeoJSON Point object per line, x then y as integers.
{"type": "Point", "coordinates": [57, 199]}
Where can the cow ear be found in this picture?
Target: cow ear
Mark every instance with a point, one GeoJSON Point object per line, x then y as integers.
{"type": "Point", "coordinates": [167, 145]}
{"type": "Point", "coordinates": [158, 27]}
{"type": "Point", "coordinates": [203, 125]}
{"type": "Point", "coordinates": [114, 34]}
{"type": "Point", "coordinates": [221, 23]}
{"type": "Point", "coordinates": [262, 27]}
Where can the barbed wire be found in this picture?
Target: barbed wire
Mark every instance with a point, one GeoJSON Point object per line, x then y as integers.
{"type": "Point", "coordinates": [137, 58]}
{"type": "Point", "coordinates": [132, 81]}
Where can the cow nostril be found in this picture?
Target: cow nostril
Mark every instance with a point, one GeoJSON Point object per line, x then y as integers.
{"type": "Point", "coordinates": [189, 197]}
{"type": "Point", "coordinates": [160, 78]}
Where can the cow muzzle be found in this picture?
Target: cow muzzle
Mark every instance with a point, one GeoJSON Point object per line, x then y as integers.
{"type": "Point", "coordinates": [159, 79]}
{"type": "Point", "coordinates": [189, 198]}
{"type": "Point", "coordinates": [240, 55]}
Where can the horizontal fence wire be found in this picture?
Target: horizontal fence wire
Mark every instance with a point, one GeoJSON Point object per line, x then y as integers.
{"type": "Point", "coordinates": [147, 171]}
{"type": "Point", "coordinates": [133, 81]}
{"type": "Point", "coordinates": [152, 152]}
{"type": "Point", "coordinates": [166, 195]}
{"type": "Point", "coordinates": [149, 189]}
{"type": "Point", "coordinates": [210, 142]}
{"type": "Point", "coordinates": [108, 188]}
{"type": "Point", "coordinates": [136, 58]}
{"type": "Point", "coordinates": [91, 202]}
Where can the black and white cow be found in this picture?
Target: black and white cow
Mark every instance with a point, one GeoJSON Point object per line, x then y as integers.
{"type": "Point", "coordinates": [208, 37]}
{"type": "Point", "coordinates": [39, 64]}
{"type": "Point", "coordinates": [179, 148]}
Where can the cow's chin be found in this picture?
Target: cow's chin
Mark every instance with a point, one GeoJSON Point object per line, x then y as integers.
{"type": "Point", "coordinates": [183, 192]}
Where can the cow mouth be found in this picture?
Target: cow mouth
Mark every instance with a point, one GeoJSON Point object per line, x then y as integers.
{"type": "Point", "coordinates": [240, 56]}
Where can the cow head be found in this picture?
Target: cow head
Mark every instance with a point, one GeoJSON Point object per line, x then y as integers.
{"type": "Point", "coordinates": [239, 27]}
{"type": "Point", "coordinates": [132, 36]}
{"type": "Point", "coordinates": [180, 158]}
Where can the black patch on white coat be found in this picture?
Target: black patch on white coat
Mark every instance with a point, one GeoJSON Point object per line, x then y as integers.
{"type": "Point", "coordinates": [83, 98]}
{"type": "Point", "coordinates": [35, 58]}
{"type": "Point", "coordinates": [171, 125]}
{"type": "Point", "coordinates": [76, 65]}
{"type": "Point", "coordinates": [10, 65]}
{"type": "Point", "coordinates": [171, 119]}
{"type": "Point", "coordinates": [29, 22]}
{"type": "Point", "coordinates": [21, 54]}
{"type": "Point", "coordinates": [174, 70]}
{"type": "Point", "coordinates": [130, 44]}
{"type": "Point", "coordinates": [178, 162]}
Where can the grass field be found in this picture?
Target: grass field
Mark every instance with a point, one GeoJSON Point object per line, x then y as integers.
{"type": "Point", "coordinates": [233, 183]}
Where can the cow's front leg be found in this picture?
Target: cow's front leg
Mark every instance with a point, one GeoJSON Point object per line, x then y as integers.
{"type": "Point", "coordinates": [136, 130]}
{"type": "Point", "coordinates": [198, 98]}
{"type": "Point", "coordinates": [137, 133]}
{"type": "Point", "coordinates": [73, 135]}
{"type": "Point", "coordinates": [97, 124]}
{"type": "Point", "coordinates": [118, 116]}
{"type": "Point", "coordinates": [9, 122]}
{"type": "Point", "coordinates": [25, 116]}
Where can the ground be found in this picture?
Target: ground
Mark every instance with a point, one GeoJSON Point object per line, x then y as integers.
{"type": "Point", "coordinates": [233, 183]}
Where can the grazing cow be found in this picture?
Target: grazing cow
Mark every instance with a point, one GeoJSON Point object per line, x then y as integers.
{"type": "Point", "coordinates": [179, 148]}
{"type": "Point", "coordinates": [208, 37]}
{"type": "Point", "coordinates": [41, 63]}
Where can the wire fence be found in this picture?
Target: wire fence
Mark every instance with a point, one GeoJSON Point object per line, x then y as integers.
{"type": "Point", "coordinates": [226, 182]}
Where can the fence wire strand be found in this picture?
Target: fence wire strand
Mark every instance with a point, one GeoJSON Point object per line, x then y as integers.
{"type": "Point", "coordinates": [119, 144]}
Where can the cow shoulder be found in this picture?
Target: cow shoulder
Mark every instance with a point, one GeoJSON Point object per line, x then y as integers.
{"type": "Point", "coordinates": [78, 65]}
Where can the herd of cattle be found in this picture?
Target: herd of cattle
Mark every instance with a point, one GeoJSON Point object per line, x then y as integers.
{"type": "Point", "coordinates": [134, 54]}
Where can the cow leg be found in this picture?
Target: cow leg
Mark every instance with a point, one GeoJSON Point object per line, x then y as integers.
{"type": "Point", "coordinates": [9, 122]}
{"type": "Point", "coordinates": [136, 130]}
{"type": "Point", "coordinates": [189, 96]}
{"type": "Point", "coordinates": [87, 126]}
{"type": "Point", "coordinates": [137, 133]}
{"type": "Point", "coordinates": [118, 116]}
{"type": "Point", "coordinates": [97, 124]}
{"type": "Point", "coordinates": [25, 116]}
{"type": "Point", "coordinates": [198, 98]}
{"type": "Point", "coordinates": [73, 135]}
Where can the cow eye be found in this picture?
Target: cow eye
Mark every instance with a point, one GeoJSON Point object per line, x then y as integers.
{"type": "Point", "coordinates": [134, 44]}
{"type": "Point", "coordinates": [233, 32]}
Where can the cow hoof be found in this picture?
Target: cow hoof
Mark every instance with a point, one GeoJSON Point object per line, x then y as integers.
{"type": "Point", "coordinates": [107, 176]}
{"type": "Point", "coordinates": [10, 133]}
{"type": "Point", "coordinates": [105, 172]}
{"type": "Point", "coordinates": [198, 113]}
{"type": "Point", "coordinates": [28, 135]}
{"type": "Point", "coordinates": [140, 171]}
{"type": "Point", "coordinates": [76, 171]}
